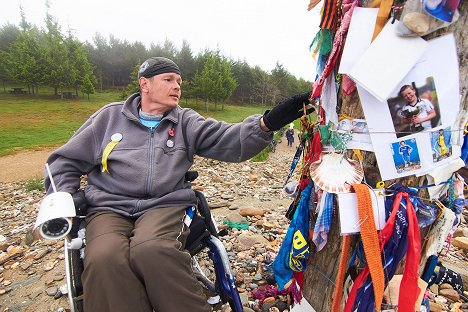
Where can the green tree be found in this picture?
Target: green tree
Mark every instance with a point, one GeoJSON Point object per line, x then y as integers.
{"type": "Point", "coordinates": [133, 86]}
{"type": "Point", "coordinates": [263, 89]}
{"type": "Point", "coordinates": [61, 72]}
{"type": "Point", "coordinates": [83, 69]}
{"type": "Point", "coordinates": [186, 62]}
{"type": "Point", "coordinates": [99, 56]}
{"type": "Point", "coordinates": [25, 60]}
{"type": "Point", "coordinates": [283, 81]}
{"type": "Point", "coordinates": [167, 50]}
{"type": "Point", "coordinates": [3, 68]}
{"type": "Point", "coordinates": [120, 61]}
{"type": "Point", "coordinates": [227, 83]}
{"type": "Point", "coordinates": [88, 85]}
{"type": "Point", "coordinates": [8, 35]}
{"type": "Point", "coordinates": [244, 76]}
{"type": "Point", "coordinates": [216, 81]}
{"type": "Point", "coordinates": [205, 82]}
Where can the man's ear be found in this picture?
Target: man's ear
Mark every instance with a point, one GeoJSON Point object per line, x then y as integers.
{"type": "Point", "coordinates": [143, 82]}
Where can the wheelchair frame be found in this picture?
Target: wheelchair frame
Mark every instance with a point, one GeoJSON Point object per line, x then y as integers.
{"type": "Point", "coordinates": [205, 235]}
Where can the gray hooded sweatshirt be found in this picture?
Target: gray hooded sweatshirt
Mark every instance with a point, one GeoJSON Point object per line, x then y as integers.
{"type": "Point", "coordinates": [146, 168]}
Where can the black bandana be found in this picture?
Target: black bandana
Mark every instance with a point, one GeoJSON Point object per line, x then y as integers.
{"type": "Point", "coordinates": [157, 65]}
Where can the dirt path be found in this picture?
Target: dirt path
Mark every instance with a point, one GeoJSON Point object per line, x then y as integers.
{"type": "Point", "coordinates": [28, 165]}
{"type": "Point", "coordinates": [23, 166]}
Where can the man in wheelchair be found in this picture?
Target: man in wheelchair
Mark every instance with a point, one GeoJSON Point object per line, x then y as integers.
{"type": "Point", "coordinates": [136, 154]}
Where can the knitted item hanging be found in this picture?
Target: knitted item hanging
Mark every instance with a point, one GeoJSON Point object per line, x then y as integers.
{"type": "Point", "coordinates": [370, 241]}
{"type": "Point", "coordinates": [338, 293]}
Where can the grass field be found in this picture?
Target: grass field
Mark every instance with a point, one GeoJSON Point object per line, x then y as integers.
{"type": "Point", "coordinates": [34, 122]}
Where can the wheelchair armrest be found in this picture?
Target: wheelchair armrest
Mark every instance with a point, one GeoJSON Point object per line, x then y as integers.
{"type": "Point", "coordinates": [204, 211]}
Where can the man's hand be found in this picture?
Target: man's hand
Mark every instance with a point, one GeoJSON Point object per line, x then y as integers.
{"type": "Point", "coordinates": [286, 111]}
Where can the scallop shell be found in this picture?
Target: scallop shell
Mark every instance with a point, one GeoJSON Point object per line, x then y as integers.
{"type": "Point", "coordinates": [335, 173]}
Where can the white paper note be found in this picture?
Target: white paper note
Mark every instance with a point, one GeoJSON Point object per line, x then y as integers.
{"type": "Point", "coordinates": [359, 37]}
{"type": "Point", "coordinates": [303, 306]}
{"type": "Point", "coordinates": [348, 209]}
{"type": "Point", "coordinates": [387, 61]}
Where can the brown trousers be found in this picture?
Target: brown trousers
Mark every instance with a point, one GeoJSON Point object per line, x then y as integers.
{"type": "Point", "coordinates": [139, 265]}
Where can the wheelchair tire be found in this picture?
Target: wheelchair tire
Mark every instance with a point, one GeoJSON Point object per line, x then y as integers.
{"type": "Point", "coordinates": [75, 290]}
{"type": "Point", "coordinates": [78, 268]}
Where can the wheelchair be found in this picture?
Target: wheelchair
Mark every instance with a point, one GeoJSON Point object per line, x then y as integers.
{"type": "Point", "coordinates": [203, 235]}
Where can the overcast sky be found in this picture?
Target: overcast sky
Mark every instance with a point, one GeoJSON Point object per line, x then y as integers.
{"type": "Point", "coordinates": [262, 32]}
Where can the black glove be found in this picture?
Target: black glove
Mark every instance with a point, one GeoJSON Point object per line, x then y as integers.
{"type": "Point", "coordinates": [286, 111]}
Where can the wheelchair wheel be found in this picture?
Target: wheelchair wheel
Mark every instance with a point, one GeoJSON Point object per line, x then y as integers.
{"type": "Point", "coordinates": [74, 269]}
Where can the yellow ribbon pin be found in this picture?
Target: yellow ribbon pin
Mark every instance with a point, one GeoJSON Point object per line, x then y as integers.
{"type": "Point", "coordinates": [115, 139]}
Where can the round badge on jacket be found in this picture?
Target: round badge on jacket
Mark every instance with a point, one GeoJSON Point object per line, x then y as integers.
{"type": "Point", "coordinates": [116, 137]}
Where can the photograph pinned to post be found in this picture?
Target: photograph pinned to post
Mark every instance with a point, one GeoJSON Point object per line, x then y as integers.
{"type": "Point", "coordinates": [418, 20]}
{"type": "Point", "coordinates": [440, 142]}
{"type": "Point", "coordinates": [441, 9]}
{"type": "Point", "coordinates": [359, 133]}
{"type": "Point", "coordinates": [406, 155]}
{"type": "Point", "coordinates": [415, 107]}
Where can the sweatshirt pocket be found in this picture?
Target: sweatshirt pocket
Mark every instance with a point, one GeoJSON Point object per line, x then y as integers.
{"type": "Point", "coordinates": [171, 164]}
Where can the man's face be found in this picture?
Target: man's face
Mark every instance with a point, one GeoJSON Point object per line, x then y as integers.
{"type": "Point", "coordinates": [409, 95]}
{"type": "Point", "coordinates": [163, 90]}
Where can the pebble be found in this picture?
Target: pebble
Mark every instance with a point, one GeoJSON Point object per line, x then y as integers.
{"type": "Point", "coordinates": [63, 289]}
{"type": "Point", "coordinates": [49, 266]}
{"type": "Point", "coordinates": [58, 294]}
{"type": "Point", "coordinates": [41, 253]}
{"type": "Point", "coordinates": [51, 291]}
